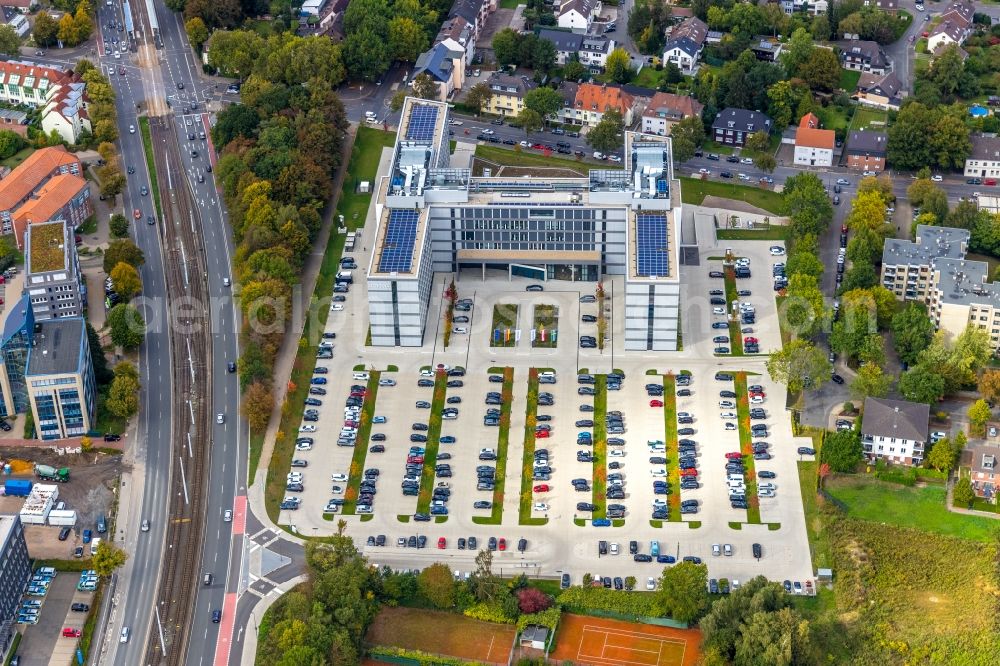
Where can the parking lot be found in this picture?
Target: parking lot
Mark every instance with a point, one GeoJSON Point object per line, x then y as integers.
{"type": "Point", "coordinates": [44, 642]}
{"type": "Point", "coordinates": [568, 541]}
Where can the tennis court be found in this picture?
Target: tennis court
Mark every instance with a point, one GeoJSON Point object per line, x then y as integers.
{"type": "Point", "coordinates": [604, 642]}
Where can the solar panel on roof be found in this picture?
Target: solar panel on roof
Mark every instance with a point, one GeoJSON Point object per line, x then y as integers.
{"type": "Point", "coordinates": [400, 234]}
{"type": "Point", "coordinates": [651, 245]}
{"type": "Point", "coordinates": [422, 121]}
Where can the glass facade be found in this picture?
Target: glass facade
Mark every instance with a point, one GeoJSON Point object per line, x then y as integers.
{"type": "Point", "coordinates": [527, 228]}
{"type": "Point", "coordinates": [46, 419]}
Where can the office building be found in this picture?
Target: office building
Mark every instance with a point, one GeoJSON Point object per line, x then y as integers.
{"type": "Point", "coordinates": [52, 272]}
{"type": "Point", "coordinates": [60, 379]}
{"type": "Point", "coordinates": [18, 324]}
{"type": "Point", "coordinates": [433, 218]}
{"type": "Point", "coordinates": [15, 572]}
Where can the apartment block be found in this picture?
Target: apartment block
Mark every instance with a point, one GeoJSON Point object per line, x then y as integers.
{"type": "Point", "coordinates": [52, 272]}
{"type": "Point", "coordinates": [44, 174]}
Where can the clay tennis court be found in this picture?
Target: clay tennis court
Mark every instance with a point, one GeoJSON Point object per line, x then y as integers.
{"type": "Point", "coordinates": [442, 633]}
{"type": "Point", "coordinates": [603, 642]}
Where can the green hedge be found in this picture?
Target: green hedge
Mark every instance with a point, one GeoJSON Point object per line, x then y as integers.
{"type": "Point", "coordinates": [546, 618]}
{"type": "Point", "coordinates": [422, 658]}
{"type": "Point", "coordinates": [587, 599]}
{"type": "Point", "coordinates": [488, 612]}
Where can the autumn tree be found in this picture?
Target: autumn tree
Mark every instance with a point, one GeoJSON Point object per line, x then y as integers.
{"type": "Point", "coordinates": [989, 385]}
{"type": "Point", "coordinates": [126, 280]}
{"type": "Point", "coordinates": [942, 455]}
{"type": "Point", "coordinates": [107, 559]}
{"type": "Point", "coordinates": [46, 29]}
{"type": "Point", "coordinates": [123, 396]}
{"type": "Point", "coordinates": [979, 415]}
{"type": "Point", "coordinates": [871, 381]}
{"type": "Point", "coordinates": [437, 585]}
{"type": "Point", "coordinates": [258, 402]}
{"type": "Point", "coordinates": [425, 87]}
{"type": "Point", "coordinates": [479, 96]}
{"type": "Point", "coordinates": [798, 365]}
{"type": "Point", "coordinates": [122, 250]}
{"type": "Point", "coordinates": [197, 32]}
{"type": "Point", "coordinates": [532, 600]}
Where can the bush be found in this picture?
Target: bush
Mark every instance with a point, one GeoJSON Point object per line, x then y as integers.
{"type": "Point", "coordinates": [488, 612]}
{"type": "Point", "coordinates": [547, 618]}
{"type": "Point", "coordinates": [532, 600]}
{"type": "Point", "coordinates": [634, 604]}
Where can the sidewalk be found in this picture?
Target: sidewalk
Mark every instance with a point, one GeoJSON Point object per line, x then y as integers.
{"type": "Point", "coordinates": [290, 345]}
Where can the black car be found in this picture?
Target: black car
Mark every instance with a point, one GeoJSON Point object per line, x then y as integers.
{"type": "Point", "coordinates": [716, 274]}
{"type": "Point", "coordinates": [64, 533]}
{"type": "Point", "coordinates": [642, 557]}
{"type": "Point", "coordinates": [805, 451]}
{"type": "Point", "coordinates": [837, 379]}
{"type": "Point", "coordinates": [108, 437]}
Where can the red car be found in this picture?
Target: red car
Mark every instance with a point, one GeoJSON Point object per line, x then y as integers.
{"type": "Point", "coordinates": [734, 456]}
{"type": "Point", "coordinates": [71, 633]}
{"type": "Point", "coordinates": [137, 214]}
{"type": "Point", "coordinates": [990, 181]}
{"type": "Point", "coordinates": [351, 424]}
{"type": "Point", "coordinates": [538, 146]}
{"type": "Point", "coordinates": [502, 544]}
{"type": "Point", "coordinates": [758, 394]}
{"type": "Point", "coordinates": [541, 488]}
{"type": "Point", "coordinates": [751, 340]}
{"type": "Point", "coordinates": [442, 543]}
{"type": "Point", "coordinates": [656, 403]}
{"type": "Point", "coordinates": [843, 228]}
{"type": "Point", "coordinates": [415, 460]}
{"type": "Point", "coordinates": [541, 434]}
{"type": "Point", "coordinates": [689, 472]}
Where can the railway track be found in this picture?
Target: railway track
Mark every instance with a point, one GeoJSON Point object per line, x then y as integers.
{"type": "Point", "coordinates": [190, 339]}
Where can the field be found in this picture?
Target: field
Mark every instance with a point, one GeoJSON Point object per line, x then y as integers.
{"type": "Point", "coordinates": [442, 633]}
{"type": "Point", "coordinates": [694, 191]}
{"type": "Point", "coordinates": [591, 640]}
{"type": "Point", "coordinates": [920, 508]}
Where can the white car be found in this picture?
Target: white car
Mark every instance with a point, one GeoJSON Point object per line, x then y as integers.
{"type": "Point", "coordinates": [303, 446]}
{"type": "Point", "coordinates": [338, 477]}
{"type": "Point", "coordinates": [843, 181]}
{"type": "Point", "coordinates": [727, 404]}
{"type": "Point", "coordinates": [777, 250]}
{"type": "Point", "coordinates": [294, 477]}
{"type": "Point", "coordinates": [756, 400]}
{"type": "Point", "coordinates": [937, 178]}
{"type": "Point", "coordinates": [658, 471]}
{"type": "Point", "coordinates": [650, 583]}
{"type": "Point", "coordinates": [746, 160]}
{"type": "Point", "coordinates": [765, 493]}
{"type": "Point", "coordinates": [705, 172]}
{"type": "Point", "coordinates": [220, 418]}
{"type": "Point", "coordinates": [488, 131]}
{"type": "Point", "coordinates": [766, 486]}
{"type": "Point", "coordinates": [730, 425]}
{"type": "Point", "coordinates": [525, 144]}
{"type": "Point", "coordinates": [719, 311]}
{"type": "Point", "coordinates": [654, 448]}
{"type": "Point", "coordinates": [870, 173]}
{"type": "Point", "coordinates": [743, 176]}
{"type": "Point", "coordinates": [716, 550]}
{"type": "Point", "coordinates": [131, 129]}
{"type": "Point", "coordinates": [613, 548]}
{"type": "Point", "coordinates": [541, 506]}
{"type": "Point", "coordinates": [337, 490]}
{"type": "Point", "coordinates": [614, 158]}
{"type": "Point", "coordinates": [337, 307]}
{"type": "Point", "coordinates": [657, 503]}
{"type": "Point", "coordinates": [616, 453]}
{"type": "Point", "coordinates": [728, 415]}
{"type": "Point", "coordinates": [227, 516]}
{"type": "Point", "coordinates": [727, 549]}
{"type": "Point", "coordinates": [307, 427]}
{"type": "Point", "coordinates": [455, 122]}
{"type": "Point", "coordinates": [387, 382]}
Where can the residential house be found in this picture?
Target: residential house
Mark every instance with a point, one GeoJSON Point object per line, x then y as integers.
{"type": "Point", "coordinates": [883, 91]}
{"type": "Point", "coordinates": [954, 27]}
{"type": "Point", "coordinates": [984, 160]}
{"type": "Point", "coordinates": [59, 93]}
{"type": "Point", "coordinates": [594, 52]}
{"type": "Point", "coordinates": [733, 127]}
{"type": "Point", "coordinates": [20, 25]}
{"type": "Point", "coordinates": [460, 31]}
{"type": "Point", "coordinates": [814, 8]}
{"type": "Point", "coordinates": [23, 6]}
{"type": "Point", "coordinates": [813, 146]}
{"type": "Point", "coordinates": [962, 53]}
{"type": "Point", "coordinates": [895, 430]}
{"type": "Point", "coordinates": [64, 198]}
{"type": "Point", "coordinates": [666, 109]}
{"type": "Point", "coordinates": [685, 43]}
{"type": "Point", "coordinates": [578, 15]}
{"type": "Point", "coordinates": [766, 49]}
{"type": "Point", "coordinates": [863, 56]}
{"type": "Point", "coordinates": [445, 64]}
{"type": "Point", "coordinates": [567, 44]}
{"type": "Point", "coordinates": [866, 150]}
{"type": "Point", "coordinates": [313, 7]}
{"type": "Point", "coordinates": [475, 13]}
{"type": "Point", "coordinates": [983, 462]}
{"type": "Point", "coordinates": [888, 6]}
{"type": "Point", "coordinates": [29, 177]}
{"type": "Point", "coordinates": [508, 94]}
{"type": "Point", "coordinates": [592, 100]}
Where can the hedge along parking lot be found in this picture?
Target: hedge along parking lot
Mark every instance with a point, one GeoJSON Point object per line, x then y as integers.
{"type": "Point", "coordinates": [526, 500]}
{"type": "Point", "coordinates": [433, 442]}
{"type": "Point", "coordinates": [360, 446]}
{"type": "Point", "coordinates": [673, 456]}
{"type": "Point", "coordinates": [746, 447]}
{"type": "Point", "coordinates": [503, 439]}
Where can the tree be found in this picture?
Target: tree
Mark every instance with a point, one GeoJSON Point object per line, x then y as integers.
{"type": "Point", "coordinates": [235, 120]}
{"type": "Point", "coordinates": [122, 251]}
{"type": "Point", "coordinates": [807, 203]}
{"type": "Point", "coordinates": [530, 121]}
{"type": "Point", "coordinates": [912, 331]}
{"type": "Point", "coordinates": [197, 32]}
{"type": "Point", "coordinates": [532, 600]}
{"type": "Point", "coordinates": [479, 96]}
{"type": "Point", "coordinates": [574, 70]}
{"type": "Point", "coordinates": [107, 558]}
{"type": "Point", "coordinates": [683, 591]}
{"type": "Point", "coordinates": [989, 385]}
{"type": "Point", "coordinates": [687, 135]}
{"type": "Point", "coordinates": [803, 309]}
{"type": "Point", "coordinates": [757, 142]}
{"type": "Point", "coordinates": [112, 180]}
{"type": "Point", "coordinates": [119, 225]}
{"type": "Point", "coordinates": [795, 362]}
{"type": "Point", "coordinates": [860, 276]}
{"type": "Point", "coordinates": [506, 44]}
{"type": "Point", "coordinates": [922, 384]}
{"type": "Point", "coordinates": [10, 41]}
{"type": "Point", "coordinates": [604, 137]}
{"type": "Point", "coordinates": [126, 280]}
{"type": "Point", "coordinates": [867, 212]}
{"type": "Point", "coordinates": [102, 373]}
{"type": "Point", "coordinates": [803, 262]}
{"type": "Point", "coordinates": [979, 415]}
{"type": "Point", "coordinates": [123, 396]}
{"type": "Point", "coordinates": [842, 450]}
{"type": "Point", "coordinates": [964, 495]}
{"type": "Point", "coordinates": [127, 326]}
{"type": "Point", "coordinates": [543, 100]}
{"type": "Point", "coordinates": [765, 162]}
{"type": "Point", "coordinates": [821, 70]}
{"type": "Point", "coordinates": [67, 33]}
{"type": "Point", "coordinates": [942, 455]}
{"type": "Point", "coordinates": [437, 584]}
{"type": "Point", "coordinates": [871, 381]}
{"type": "Point", "coordinates": [407, 39]}
{"type": "Point", "coordinates": [485, 586]}
{"type": "Point", "coordinates": [46, 29]}
{"type": "Point", "coordinates": [426, 87]}
{"type": "Point", "coordinates": [258, 402]}
{"type": "Point", "coordinates": [796, 51]}
{"type": "Point", "coordinates": [618, 66]}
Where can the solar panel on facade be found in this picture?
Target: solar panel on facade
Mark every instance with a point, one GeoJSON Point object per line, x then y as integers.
{"type": "Point", "coordinates": [651, 245]}
{"type": "Point", "coordinates": [397, 249]}
{"type": "Point", "coordinates": [422, 121]}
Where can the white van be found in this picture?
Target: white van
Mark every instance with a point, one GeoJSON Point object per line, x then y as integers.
{"type": "Point", "coordinates": [93, 545]}
{"type": "Point", "coordinates": [370, 114]}
{"type": "Point", "coordinates": [123, 638]}
{"type": "Point", "coordinates": [360, 376]}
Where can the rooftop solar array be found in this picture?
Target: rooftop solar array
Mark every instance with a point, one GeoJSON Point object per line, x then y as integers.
{"type": "Point", "coordinates": [652, 258]}
{"type": "Point", "coordinates": [423, 118]}
{"type": "Point", "coordinates": [397, 249]}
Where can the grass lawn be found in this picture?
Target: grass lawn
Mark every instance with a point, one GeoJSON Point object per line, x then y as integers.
{"type": "Point", "coordinates": [819, 539]}
{"type": "Point", "coordinates": [509, 157]}
{"type": "Point", "coordinates": [14, 160]}
{"type": "Point", "coordinates": [710, 146]}
{"type": "Point", "coordinates": [774, 232]}
{"type": "Point", "coordinates": [528, 459]}
{"type": "Point", "coordinates": [600, 446]}
{"type": "Point", "coordinates": [833, 118]}
{"type": "Point", "coordinates": [547, 318]}
{"type": "Point", "coordinates": [919, 508]}
{"type": "Point", "coordinates": [147, 146]}
{"type": "Point", "coordinates": [746, 447]}
{"type": "Point", "coordinates": [670, 441]}
{"type": "Point", "coordinates": [848, 80]}
{"type": "Point", "coordinates": [735, 336]}
{"type": "Point", "coordinates": [503, 440]}
{"type": "Point", "coordinates": [367, 151]}
{"type": "Point", "coordinates": [865, 118]}
{"type": "Point", "coordinates": [510, 4]}
{"type": "Point", "coordinates": [694, 191]}
{"type": "Point", "coordinates": [433, 441]}
{"type": "Point", "coordinates": [504, 318]}
{"type": "Point", "coordinates": [649, 78]}
{"type": "Point", "coordinates": [361, 444]}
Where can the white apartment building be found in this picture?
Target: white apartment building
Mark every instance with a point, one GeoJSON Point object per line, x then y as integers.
{"type": "Point", "coordinates": [895, 430]}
